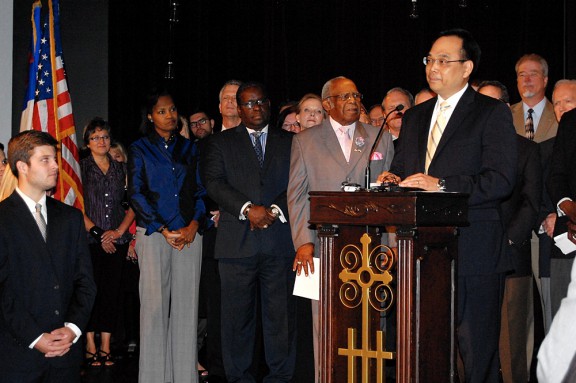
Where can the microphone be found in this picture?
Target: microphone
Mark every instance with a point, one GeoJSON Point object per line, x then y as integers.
{"type": "Point", "coordinates": [378, 137]}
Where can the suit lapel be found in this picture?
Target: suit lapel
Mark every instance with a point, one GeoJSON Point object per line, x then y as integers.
{"type": "Point", "coordinates": [270, 149]}
{"type": "Point", "coordinates": [357, 152]}
{"type": "Point", "coordinates": [518, 119]}
{"type": "Point", "coordinates": [424, 132]}
{"type": "Point", "coordinates": [53, 232]}
{"type": "Point", "coordinates": [545, 124]}
{"type": "Point", "coordinates": [27, 221]}
{"type": "Point", "coordinates": [245, 140]}
{"type": "Point", "coordinates": [459, 114]}
{"type": "Point", "coordinates": [332, 144]}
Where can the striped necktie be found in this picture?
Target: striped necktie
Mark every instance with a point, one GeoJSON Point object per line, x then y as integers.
{"type": "Point", "coordinates": [436, 134]}
{"type": "Point", "coordinates": [258, 147]}
{"type": "Point", "coordinates": [40, 221]}
{"type": "Point", "coordinates": [529, 126]}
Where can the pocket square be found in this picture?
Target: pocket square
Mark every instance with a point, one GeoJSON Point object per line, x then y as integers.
{"type": "Point", "coordinates": [377, 156]}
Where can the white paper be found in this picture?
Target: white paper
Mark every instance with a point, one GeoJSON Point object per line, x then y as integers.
{"type": "Point", "coordinates": [564, 244]}
{"type": "Point", "coordinates": [308, 286]}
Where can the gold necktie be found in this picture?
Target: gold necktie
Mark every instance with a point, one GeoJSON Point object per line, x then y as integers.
{"type": "Point", "coordinates": [436, 134]}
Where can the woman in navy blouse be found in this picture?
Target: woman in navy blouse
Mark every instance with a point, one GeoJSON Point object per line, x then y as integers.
{"type": "Point", "coordinates": [107, 223]}
{"type": "Point", "coordinates": [165, 193]}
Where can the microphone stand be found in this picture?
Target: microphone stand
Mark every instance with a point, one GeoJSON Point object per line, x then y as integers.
{"type": "Point", "coordinates": [378, 137]}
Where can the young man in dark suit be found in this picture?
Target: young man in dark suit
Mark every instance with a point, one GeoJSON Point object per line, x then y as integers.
{"type": "Point", "coordinates": [246, 173]}
{"type": "Point", "coordinates": [462, 141]}
{"type": "Point", "coordinates": [46, 284]}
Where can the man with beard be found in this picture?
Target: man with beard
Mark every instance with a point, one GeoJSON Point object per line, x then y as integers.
{"type": "Point", "coordinates": [534, 115]}
{"type": "Point", "coordinates": [201, 126]}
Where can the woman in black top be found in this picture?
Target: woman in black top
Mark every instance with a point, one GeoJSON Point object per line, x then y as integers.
{"type": "Point", "coordinates": [107, 222]}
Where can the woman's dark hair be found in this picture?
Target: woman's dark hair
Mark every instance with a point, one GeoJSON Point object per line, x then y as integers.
{"type": "Point", "coordinates": [283, 114]}
{"type": "Point", "coordinates": [97, 123]}
{"type": "Point", "coordinates": [147, 126]}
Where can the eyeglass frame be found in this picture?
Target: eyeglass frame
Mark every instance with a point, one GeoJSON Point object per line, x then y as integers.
{"type": "Point", "coordinates": [98, 138]}
{"type": "Point", "coordinates": [199, 122]}
{"type": "Point", "coordinates": [346, 96]}
{"type": "Point", "coordinates": [252, 103]}
{"type": "Point", "coordinates": [289, 125]}
{"type": "Point", "coordinates": [427, 60]}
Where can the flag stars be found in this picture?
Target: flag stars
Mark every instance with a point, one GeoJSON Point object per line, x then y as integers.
{"type": "Point", "coordinates": [41, 82]}
{"type": "Point", "coordinates": [43, 41]}
{"type": "Point", "coordinates": [44, 56]}
{"type": "Point", "coordinates": [37, 92]}
{"type": "Point", "coordinates": [46, 74]}
{"type": "Point", "coordinates": [40, 66]}
{"type": "Point", "coordinates": [48, 90]}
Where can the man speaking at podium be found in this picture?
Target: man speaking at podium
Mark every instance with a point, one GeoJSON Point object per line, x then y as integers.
{"type": "Point", "coordinates": [462, 141]}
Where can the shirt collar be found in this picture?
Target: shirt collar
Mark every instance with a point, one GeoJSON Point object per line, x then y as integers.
{"type": "Point", "coordinates": [264, 130]}
{"type": "Point", "coordinates": [336, 126]}
{"type": "Point", "coordinates": [538, 108]}
{"type": "Point", "coordinates": [452, 100]}
{"type": "Point", "coordinates": [31, 204]}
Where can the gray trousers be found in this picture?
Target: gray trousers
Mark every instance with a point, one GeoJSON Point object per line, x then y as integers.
{"type": "Point", "coordinates": [560, 269]}
{"type": "Point", "coordinates": [169, 284]}
{"type": "Point", "coordinates": [516, 329]}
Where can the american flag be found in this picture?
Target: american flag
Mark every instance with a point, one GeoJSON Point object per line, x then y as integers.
{"type": "Point", "coordinates": [48, 106]}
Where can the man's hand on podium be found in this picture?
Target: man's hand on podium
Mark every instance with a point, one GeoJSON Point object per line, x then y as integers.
{"type": "Point", "coordinates": [421, 181]}
{"type": "Point", "coordinates": [304, 259]}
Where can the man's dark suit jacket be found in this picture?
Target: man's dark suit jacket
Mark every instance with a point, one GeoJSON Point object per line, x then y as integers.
{"type": "Point", "coordinates": [233, 176]}
{"type": "Point", "coordinates": [42, 284]}
{"type": "Point", "coordinates": [545, 243]}
{"type": "Point", "coordinates": [476, 155]}
{"type": "Point", "coordinates": [561, 181]}
{"type": "Point", "coordinates": [520, 210]}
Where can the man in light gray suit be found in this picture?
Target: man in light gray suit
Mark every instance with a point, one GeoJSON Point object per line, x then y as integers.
{"type": "Point", "coordinates": [322, 158]}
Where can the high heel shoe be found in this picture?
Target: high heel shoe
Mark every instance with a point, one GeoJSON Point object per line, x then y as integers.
{"type": "Point", "coordinates": [92, 360]}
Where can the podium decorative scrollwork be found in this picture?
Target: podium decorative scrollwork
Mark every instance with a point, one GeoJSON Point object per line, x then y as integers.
{"type": "Point", "coordinates": [366, 281]}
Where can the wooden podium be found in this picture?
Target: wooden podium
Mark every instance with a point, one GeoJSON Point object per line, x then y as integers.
{"type": "Point", "coordinates": [357, 279]}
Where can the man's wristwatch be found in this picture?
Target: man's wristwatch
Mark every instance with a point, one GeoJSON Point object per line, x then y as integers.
{"type": "Point", "coordinates": [441, 185]}
{"type": "Point", "coordinates": [275, 211]}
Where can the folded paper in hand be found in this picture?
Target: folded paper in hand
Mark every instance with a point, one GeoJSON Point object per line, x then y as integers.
{"type": "Point", "coordinates": [564, 244]}
{"type": "Point", "coordinates": [308, 286]}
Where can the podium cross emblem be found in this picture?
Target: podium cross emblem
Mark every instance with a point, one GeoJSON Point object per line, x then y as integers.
{"type": "Point", "coordinates": [366, 281]}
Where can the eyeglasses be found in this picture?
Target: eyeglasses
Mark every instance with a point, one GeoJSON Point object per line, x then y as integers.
{"type": "Point", "coordinates": [378, 120]}
{"type": "Point", "coordinates": [202, 121]}
{"type": "Point", "coordinates": [289, 126]}
{"type": "Point", "coordinates": [251, 104]}
{"type": "Point", "coordinates": [348, 96]}
{"type": "Point", "coordinates": [442, 62]}
{"type": "Point", "coordinates": [4, 162]}
{"type": "Point", "coordinates": [98, 138]}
